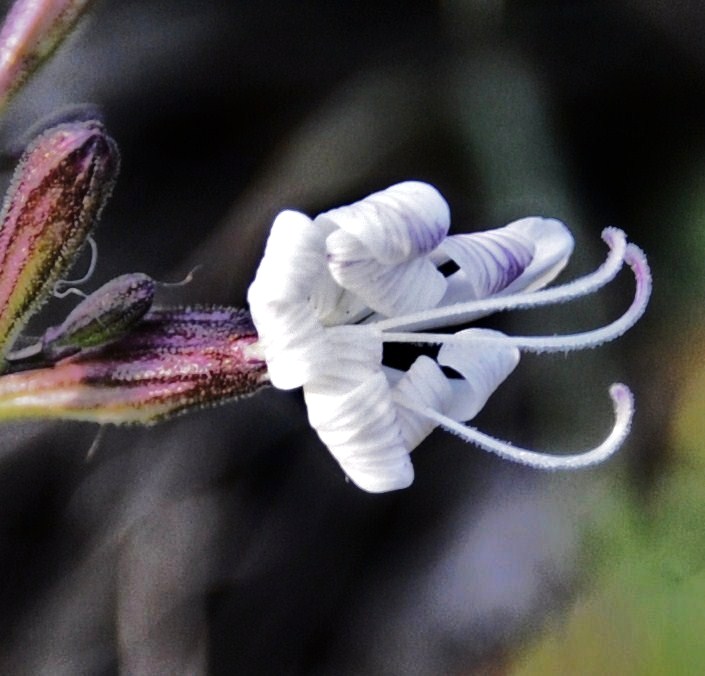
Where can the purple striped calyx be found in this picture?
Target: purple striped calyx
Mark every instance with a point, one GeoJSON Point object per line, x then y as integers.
{"type": "Point", "coordinates": [172, 361]}
{"type": "Point", "coordinates": [57, 193]}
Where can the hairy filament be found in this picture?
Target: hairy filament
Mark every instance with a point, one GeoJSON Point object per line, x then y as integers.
{"type": "Point", "coordinates": [623, 408]}
{"type": "Point", "coordinates": [456, 314]}
{"type": "Point", "coordinates": [576, 341]}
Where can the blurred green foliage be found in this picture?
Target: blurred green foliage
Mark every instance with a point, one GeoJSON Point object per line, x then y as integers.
{"type": "Point", "coordinates": [641, 611]}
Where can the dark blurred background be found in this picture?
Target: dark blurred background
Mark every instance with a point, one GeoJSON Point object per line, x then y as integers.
{"type": "Point", "coordinates": [227, 541]}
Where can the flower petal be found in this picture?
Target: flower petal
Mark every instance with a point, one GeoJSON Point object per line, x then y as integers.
{"type": "Point", "coordinates": [484, 367]}
{"type": "Point", "coordinates": [404, 221]}
{"type": "Point", "coordinates": [390, 290]}
{"type": "Point", "coordinates": [553, 245]}
{"type": "Point", "coordinates": [488, 262]}
{"type": "Point", "coordinates": [379, 247]}
{"type": "Point", "coordinates": [290, 286]}
{"type": "Point", "coordinates": [523, 255]}
{"type": "Point", "coordinates": [361, 431]}
{"type": "Point", "coordinates": [426, 384]}
{"type": "Point", "coordinates": [291, 338]}
{"type": "Point", "coordinates": [293, 267]}
{"type": "Point", "coordinates": [343, 361]}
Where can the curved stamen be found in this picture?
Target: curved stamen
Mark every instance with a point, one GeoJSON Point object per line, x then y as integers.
{"type": "Point", "coordinates": [91, 269]}
{"type": "Point", "coordinates": [577, 341]}
{"type": "Point", "coordinates": [458, 313]}
{"type": "Point", "coordinates": [623, 409]}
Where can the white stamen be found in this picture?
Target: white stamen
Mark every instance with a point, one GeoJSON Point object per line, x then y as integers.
{"type": "Point", "coordinates": [457, 313]}
{"type": "Point", "coordinates": [623, 409]}
{"type": "Point", "coordinates": [576, 341]}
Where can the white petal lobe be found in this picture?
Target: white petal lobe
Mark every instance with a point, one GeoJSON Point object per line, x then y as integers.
{"type": "Point", "coordinates": [293, 261]}
{"type": "Point", "coordinates": [291, 338]}
{"type": "Point", "coordinates": [425, 383]}
{"type": "Point", "coordinates": [402, 222]}
{"type": "Point", "coordinates": [483, 366]}
{"type": "Point", "coordinates": [388, 289]}
{"type": "Point", "coordinates": [360, 429]}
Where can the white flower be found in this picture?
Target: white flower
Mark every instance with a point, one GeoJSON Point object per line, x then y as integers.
{"type": "Point", "coordinates": [330, 292]}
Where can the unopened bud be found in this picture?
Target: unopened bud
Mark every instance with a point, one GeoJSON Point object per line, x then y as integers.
{"type": "Point", "coordinates": [172, 361]}
{"type": "Point", "coordinates": [32, 30]}
{"type": "Point", "coordinates": [57, 193]}
{"type": "Point", "coordinates": [101, 318]}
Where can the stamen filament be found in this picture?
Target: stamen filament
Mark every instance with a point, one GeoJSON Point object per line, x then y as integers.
{"type": "Point", "coordinates": [623, 410]}
{"type": "Point", "coordinates": [58, 293]}
{"type": "Point", "coordinates": [460, 312]}
{"type": "Point", "coordinates": [577, 341]}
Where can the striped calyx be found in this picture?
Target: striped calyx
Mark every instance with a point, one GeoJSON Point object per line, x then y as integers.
{"type": "Point", "coordinates": [56, 196]}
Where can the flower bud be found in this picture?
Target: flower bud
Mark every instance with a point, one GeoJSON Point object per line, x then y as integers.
{"type": "Point", "coordinates": [172, 361]}
{"type": "Point", "coordinates": [57, 193]}
{"type": "Point", "coordinates": [103, 317]}
{"type": "Point", "coordinates": [32, 30]}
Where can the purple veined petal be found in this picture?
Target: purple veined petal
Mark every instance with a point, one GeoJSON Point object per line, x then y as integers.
{"type": "Point", "coordinates": [522, 256]}
{"type": "Point", "coordinates": [484, 367]}
{"type": "Point", "coordinates": [553, 246]}
{"type": "Point", "coordinates": [361, 431]}
{"type": "Point", "coordinates": [389, 289]}
{"type": "Point", "coordinates": [462, 312]}
{"type": "Point", "coordinates": [405, 221]}
{"type": "Point", "coordinates": [488, 262]}
{"type": "Point", "coordinates": [634, 257]}
{"type": "Point", "coordinates": [426, 384]}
